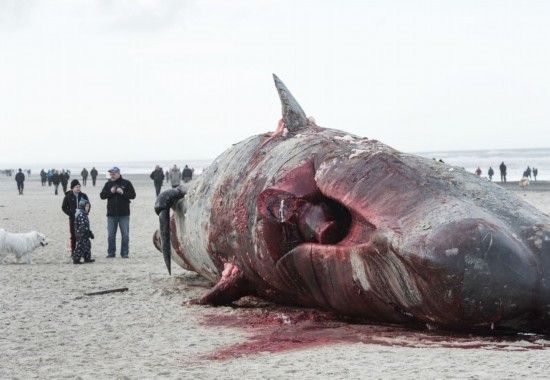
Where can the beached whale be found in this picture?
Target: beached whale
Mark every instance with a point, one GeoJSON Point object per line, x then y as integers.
{"type": "Point", "coordinates": [320, 218]}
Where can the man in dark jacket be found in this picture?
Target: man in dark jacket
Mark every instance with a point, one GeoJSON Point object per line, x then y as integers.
{"type": "Point", "coordinates": [157, 176]}
{"type": "Point", "coordinates": [187, 174]}
{"type": "Point", "coordinates": [93, 173]}
{"type": "Point", "coordinates": [502, 168]}
{"type": "Point", "coordinates": [56, 180]}
{"type": "Point", "coordinates": [64, 177]}
{"type": "Point", "coordinates": [119, 192]}
{"type": "Point", "coordinates": [69, 207]}
{"type": "Point", "coordinates": [20, 179]}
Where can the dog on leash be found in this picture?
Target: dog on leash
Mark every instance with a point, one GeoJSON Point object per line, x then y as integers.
{"type": "Point", "coordinates": [20, 244]}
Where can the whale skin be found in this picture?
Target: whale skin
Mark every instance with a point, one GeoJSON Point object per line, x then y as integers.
{"type": "Point", "coordinates": [317, 217]}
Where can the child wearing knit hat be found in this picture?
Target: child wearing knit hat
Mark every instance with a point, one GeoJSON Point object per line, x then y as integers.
{"type": "Point", "coordinates": [69, 207]}
{"type": "Point", "coordinates": [83, 233]}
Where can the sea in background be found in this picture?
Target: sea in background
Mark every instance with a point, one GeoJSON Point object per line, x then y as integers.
{"type": "Point", "coordinates": [516, 161]}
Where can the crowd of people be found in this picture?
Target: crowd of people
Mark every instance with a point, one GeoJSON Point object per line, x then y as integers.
{"type": "Point", "coordinates": [56, 177]}
{"type": "Point", "coordinates": [174, 176]}
{"type": "Point", "coordinates": [118, 192]}
{"type": "Point", "coordinates": [527, 173]}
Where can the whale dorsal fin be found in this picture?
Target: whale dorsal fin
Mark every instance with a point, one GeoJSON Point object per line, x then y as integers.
{"type": "Point", "coordinates": [294, 116]}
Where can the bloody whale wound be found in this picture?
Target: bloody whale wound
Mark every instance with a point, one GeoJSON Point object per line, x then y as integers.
{"type": "Point", "coordinates": [297, 212]}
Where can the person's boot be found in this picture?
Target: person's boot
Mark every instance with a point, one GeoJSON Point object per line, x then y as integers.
{"type": "Point", "coordinates": [90, 260]}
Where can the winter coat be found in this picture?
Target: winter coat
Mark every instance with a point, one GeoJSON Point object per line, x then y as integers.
{"type": "Point", "coordinates": [187, 173]}
{"type": "Point", "coordinates": [157, 176]}
{"type": "Point", "coordinates": [117, 204]}
{"type": "Point", "coordinates": [70, 203]}
{"type": "Point", "coordinates": [64, 178]}
{"type": "Point", "coordinates": [20, 177]}
{"type": "Point", "coordinates": [83, 234]}
{"type": "Point", "coordinates": [56, 178]}
{"type": "Point", "coordinates": [175, 177]}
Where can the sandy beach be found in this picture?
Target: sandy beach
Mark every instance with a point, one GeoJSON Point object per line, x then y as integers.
{"type": "Point", "coordinates": [50, 328]}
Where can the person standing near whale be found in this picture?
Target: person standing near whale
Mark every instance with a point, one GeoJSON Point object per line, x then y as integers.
{"type": "Point", "coordinates": [118, 192]}
{"type": "Point", "coordinates": [69, 207]}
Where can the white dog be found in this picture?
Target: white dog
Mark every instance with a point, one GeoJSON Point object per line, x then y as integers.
{"type": "Point", "coordinates": [20, 244]}
{"type": "Point", "coordinates": [523, 182]}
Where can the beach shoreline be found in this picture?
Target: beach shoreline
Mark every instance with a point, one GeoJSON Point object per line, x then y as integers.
{"type": "Point", "coordinates": [53, 330]}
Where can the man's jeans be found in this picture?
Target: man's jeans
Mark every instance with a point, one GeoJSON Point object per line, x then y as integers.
{"type": "Point", "coordinates": [124, 223]}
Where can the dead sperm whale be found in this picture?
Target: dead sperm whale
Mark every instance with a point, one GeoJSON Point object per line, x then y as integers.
{"type": "Point", "coordinates": [320, 218]}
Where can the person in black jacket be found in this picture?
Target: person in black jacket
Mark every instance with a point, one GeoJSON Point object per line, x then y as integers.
{"type": "Point", "coordinates": [93, 173]}
{"type": "Point", "coordinates": [56, 180]}
{"type": "Point", "coordinates": [119, 192]}
{"type": "Point", "coordinates": [64, 177]}
{"type": "Point", "coordinates": [157, 176]}
{"type": "Point", "coordinates": [20, 179]}
{"type": "Point", "coordinates": [69, 207]}
{"type": "Point", "coordinates": [502, 168]}
{"type": "Point", "coordinates": [187, 174]}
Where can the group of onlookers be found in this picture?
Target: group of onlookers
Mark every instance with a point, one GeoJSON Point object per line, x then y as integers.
{"type": "Point", "coordinates": [175, 176]}
{"type": "Point", "coordinates": [502, 167]}
{"type": "Point", "coordinates": [61, 177]}
{"type": "Point", "coordinates": [118, 192]}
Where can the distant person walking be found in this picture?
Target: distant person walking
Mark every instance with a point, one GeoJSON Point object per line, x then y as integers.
{"type": "Point", "coordinates": [491, 172]}
{"type": "Point", "coordinates": [84, 174]}
{"type": "Point", "coordinates": [187, 174]}
{"type": "Point", "coordinates": [43, 177]}
{"type": "Point", "coordinates": [93, 174]}
{"type": "Point", "coordinates": [64, 176]}
{"type": "Point", "coordinates": [119, 192]}
{"type": "Point", "coordinates": [478, 171]}
{"type": "Point", "coordinates": [502, 168]}
{"type": "Point", "coordinates": [56, 180]}
{"type": "Point", "coordinates": [167, 175]}
{"type": "Point", "coordinates": [20, 179]}
{"type": "Point", "coordinates": [69, 207]}
{"type": "Point", "coordinates": [175, 176]}
{"type": "Point", "coordinates": [527, 173]}
{"type": "Point", "coordinates": [535, 173]}
{"type": "Point", "coordinates": [157, 176]}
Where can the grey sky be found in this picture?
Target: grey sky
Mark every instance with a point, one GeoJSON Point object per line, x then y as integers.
{"type": "Point", "coordinates": [125, 80]}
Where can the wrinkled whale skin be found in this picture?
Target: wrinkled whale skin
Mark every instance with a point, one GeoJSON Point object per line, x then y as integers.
{"type": "Point", "coordinates": [320, 218]}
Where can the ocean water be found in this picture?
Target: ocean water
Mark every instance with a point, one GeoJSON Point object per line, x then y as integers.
{"type": "Point", "coordinates": [516, 161]}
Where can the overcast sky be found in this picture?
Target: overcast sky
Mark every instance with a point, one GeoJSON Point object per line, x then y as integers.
{"type": "Point", "coordinates": [121, 80]}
